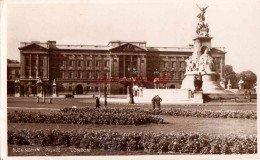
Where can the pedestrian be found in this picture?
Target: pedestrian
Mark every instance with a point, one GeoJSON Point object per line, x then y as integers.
{"type": "Point", "coordinates": [97, 102]}
{"type": "Point", "coordinates": [105, 102]}
{"type": "Point", "coordinates": [158, 101]}
{"type": "Point", "coordinates": [153, 101]}
{"type": "Point", "coordinates": [249, 95]}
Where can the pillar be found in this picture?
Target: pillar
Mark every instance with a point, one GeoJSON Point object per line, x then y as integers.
{"type": "Point", "coordinates": [45, 67]}
{"type": "Point", "coordinates": [30, 66]}
{"type": "Point", "coordinates": [22, 69]}
{"type": "Point", "coordinates": [223, 67]}
{"type": "Point", "coordinates": [138, 65]}
{"type": "Point", "coordinates": [124, 66]}
{"type": "Point", "coordinates": [37, 65]}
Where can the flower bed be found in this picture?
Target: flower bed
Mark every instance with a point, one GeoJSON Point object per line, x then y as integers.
{"type": "Point", "coordinates": [87, 116]}
{"type": "Point", "coordinates": [148, 142]}
{"type": "Point", "coordinates": [206, 113]}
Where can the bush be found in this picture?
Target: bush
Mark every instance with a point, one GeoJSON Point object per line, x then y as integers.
{"type": "Point", "coordinates": [149, 142]}
{"type": "Point", "coordinates": [87, 116]}
{"type": "Point", "coordinates": [206, 113]}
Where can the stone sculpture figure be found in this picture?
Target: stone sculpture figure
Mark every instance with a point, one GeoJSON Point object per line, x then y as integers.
{"type": "Point", "coordinates": [206, 62]}
{"type": "Point", "coordinates": [201, 15]}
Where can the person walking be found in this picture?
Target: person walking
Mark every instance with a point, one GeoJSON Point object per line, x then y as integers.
{"type": "Point", "coordinates": [249, 95]}
{"type": "Point", "coordinates": [153, 101]}
{"type": "Point", "coordinates": [158, 101]}
{"type": "Point", "coordinates": [97, 102]}
{"type": "Point", "coordinates": [105, 102]}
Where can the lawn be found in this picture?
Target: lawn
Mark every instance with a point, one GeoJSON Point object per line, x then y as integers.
{"type": "Point", "coordinates": [213, 126]}
{"type": "Point", "coordinates": [63, 103]}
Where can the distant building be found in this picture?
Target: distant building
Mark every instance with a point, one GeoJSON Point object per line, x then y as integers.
{"type": "Point", "coordinates": [77, 69]}
{"type": "Point", "coordinates": [13, 73]}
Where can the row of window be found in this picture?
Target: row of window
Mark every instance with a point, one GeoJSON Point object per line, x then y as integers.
{"type": "Point", "coordinates": [34, 60]}
{"type": "Point", "coordinates": [79, 63]}
{"type": "Point", "coordinates": [174, 64]}
{"type": "Point", "coordinates": [89, 75]}
{"type": "Point", "coordinates": [79, 74]}
{"type": "Point", "coordinates": [33, 73]}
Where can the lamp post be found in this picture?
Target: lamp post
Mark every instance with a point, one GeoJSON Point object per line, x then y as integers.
{"type": "Point", "coordinates": [105, 89]}
{"type": "Point", "coordinates": [132, 73]}
{"type": "Point", "coordinates": [156, 80]}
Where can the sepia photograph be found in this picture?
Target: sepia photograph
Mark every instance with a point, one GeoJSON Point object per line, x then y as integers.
{"type": "Point", "coordinates": [150, 79]}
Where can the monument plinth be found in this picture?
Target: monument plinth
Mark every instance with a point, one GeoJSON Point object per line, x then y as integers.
{"type": "Point", "coordinates": [201, 62]}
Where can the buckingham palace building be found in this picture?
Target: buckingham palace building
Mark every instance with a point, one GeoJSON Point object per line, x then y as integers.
{"type": "Point", "coordinates": [81, 69]}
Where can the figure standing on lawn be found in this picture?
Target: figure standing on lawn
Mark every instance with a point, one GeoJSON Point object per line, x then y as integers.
{"type": "Point", "coordinates": [158, 101]}
{"type": "Point", "coordinates": [97, 102]}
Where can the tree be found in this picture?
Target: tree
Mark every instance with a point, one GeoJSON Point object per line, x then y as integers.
{"type": "Point", "coordinates": [231, 75]}
{"type": "Point", "coordinates": [249, 78]}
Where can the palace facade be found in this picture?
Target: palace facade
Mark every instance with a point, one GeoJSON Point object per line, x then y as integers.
{"type": "Point", "coordinates": [77, 69]}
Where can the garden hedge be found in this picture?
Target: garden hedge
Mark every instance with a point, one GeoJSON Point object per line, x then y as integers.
{"type": "Point", "coordinates": [194, 143]}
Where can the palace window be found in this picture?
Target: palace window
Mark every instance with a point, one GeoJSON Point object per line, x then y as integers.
{"type": "Point", "coordinates": [40, 72]}
{"type": "Point", "coordinates": [89, 75]}
{"type": "Point", "coordinates": [71, 63]}
{"type": "Point", "coordinates": [34, 72]}
{"type": "Point", "coordinates": [62, 63]}
{"type": "Point", "coordinates": [181, 64]}
{"type": "Point", "coordinates": [71, 74]}
{"type": "Point", "coordinates": [88, 63]}
{"type": "Point", "coordinates": [165, 64]}
{"type": "Point", "coordinates": [97, 75]}
{"type": "Point", "coordinates": [173, 75]}
{"type": "Point", "coordinates": [97, 63]}
{"type": "Point", "coordinates": [181, 75]}
{"type": "Point", "coordinates": [26, 72]}
{"type": "Point", "coordinates": [79, 74]}
{"type": "Point", "coordinates": [106, 63]}
{"type": "Point", "coordinates": [80, 63]}
{"type": "Point", "coordinates": [173, 64]}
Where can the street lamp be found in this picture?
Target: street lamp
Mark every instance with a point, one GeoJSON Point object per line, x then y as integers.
{"type": "Point", "coordinates": [132, 73]}
{"type": "Point", "coordinates": [105, 89]}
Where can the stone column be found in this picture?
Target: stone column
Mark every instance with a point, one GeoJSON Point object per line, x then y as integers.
{"type": "Point", "coordinates": [144, 67]}
{"type": "Point", "coordinates": [111, 66]}
{"type": "Point", "coordinates": [37, 66]}
{"type": "Point", "coordinates": [22, 64]}
{"type": "Point", "coordinates": [124, 66]}
{"type": "Point", "coordinates": [30, 66]}
{"type": "Point", "coordinates": [45, 67]}
{"type": "Point", "coordinates": [221, 68]}
{"type": "Point", "coordinates": [138, 65]}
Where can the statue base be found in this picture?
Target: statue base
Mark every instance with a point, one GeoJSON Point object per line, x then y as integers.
{"type": "Point", "coordinates": [210, 82]}
{"type": "Point", "coordinates": [17, 95]}
{"type": "Point", "coordinates": [198, 97]}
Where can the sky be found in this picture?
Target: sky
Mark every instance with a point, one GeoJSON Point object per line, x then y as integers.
{"type": "Point", "coordinates": [234, 25]}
